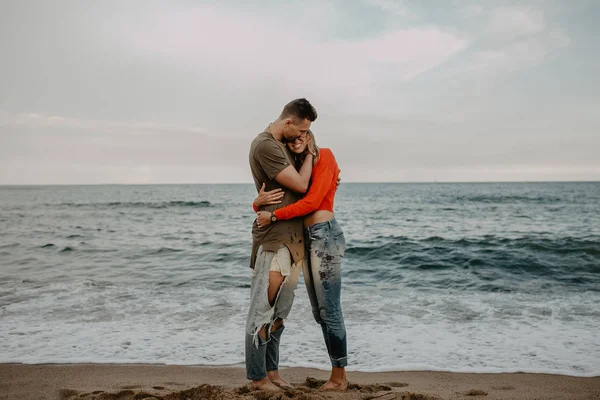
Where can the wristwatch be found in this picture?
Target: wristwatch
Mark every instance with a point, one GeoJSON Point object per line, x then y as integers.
{"type": "Point", "coordinates": [273, 217]}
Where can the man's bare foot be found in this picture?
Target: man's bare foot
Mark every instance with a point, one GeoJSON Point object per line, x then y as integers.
{"type": "Point", "coordinates": [278, 380]}
{"type": "Point", "coordinates": [264, 384]}
{"type": "Point", "coordinates": [335, 385]}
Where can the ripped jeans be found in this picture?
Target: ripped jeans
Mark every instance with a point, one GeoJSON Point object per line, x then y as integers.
{"type": "Point", "coordinates": [325, 247]}
{"type": "Point", "coordinates": [262, 355]}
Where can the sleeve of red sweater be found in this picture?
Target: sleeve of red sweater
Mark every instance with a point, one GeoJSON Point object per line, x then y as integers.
{"type": "Point", "coordinates": [322, 176]}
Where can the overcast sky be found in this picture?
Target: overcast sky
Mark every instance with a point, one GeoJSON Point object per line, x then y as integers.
{"type": "Point", "coordinates": [175, 91]}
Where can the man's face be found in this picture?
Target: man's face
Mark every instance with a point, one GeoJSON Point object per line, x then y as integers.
{"type": "Point", "coordinates": [292, 131]}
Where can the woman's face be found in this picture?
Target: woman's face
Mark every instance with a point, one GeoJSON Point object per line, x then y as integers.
{"type": "Point", "coordinates": [299, 145]}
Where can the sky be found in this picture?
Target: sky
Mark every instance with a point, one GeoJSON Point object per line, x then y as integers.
{"type": "Point", "coordinates": [137, 92]}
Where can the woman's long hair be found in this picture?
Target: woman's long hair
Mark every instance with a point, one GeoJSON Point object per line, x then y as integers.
{"type": "Point", "coordinates": [312, 146]}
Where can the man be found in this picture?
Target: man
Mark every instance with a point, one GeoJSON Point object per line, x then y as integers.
{"type": "Point", "coordinates": [278, 249]}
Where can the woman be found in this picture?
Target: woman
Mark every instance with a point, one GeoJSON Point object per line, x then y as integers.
{"type": "Point", "coordinates": [325, 246]}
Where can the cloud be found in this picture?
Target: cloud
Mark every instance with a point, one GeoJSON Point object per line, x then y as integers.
{"type": "Point", "coordinates": [511, 39]}
{"type": "Point", "coordinates": [93, 125]}
{"type": "Point", "coordinates": [175, 91]}
{"type": "Point", "coordinates": [509, 23]}
{"type": "Point", "coordinates": [395, 7]}
{"type": "Point", "coordinates": [519, 55]}
{"type": "Point", "coordinates": [249, 51]}
{"type": "Point", "coordinates": [136, 145]}
{"type": "Point", "coordinates": [473, 10]}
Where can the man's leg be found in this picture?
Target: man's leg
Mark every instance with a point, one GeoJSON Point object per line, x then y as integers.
{"type": "Point", "coordinates": [260, 315]}
{"type": "Point", "coordinates": [276, 280]}
{"type": "Point", "coordinates": [285, 276]}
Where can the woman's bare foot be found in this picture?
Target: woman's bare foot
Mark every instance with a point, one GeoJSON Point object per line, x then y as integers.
{"type": "Point", "coordinates": [264, 384]}
{"type": "Point", "coordinates": [337, 380]}
{"type": "Point", "coordinates": [335, 385]}
{"type": "Point", "coordinates": [275, 378]}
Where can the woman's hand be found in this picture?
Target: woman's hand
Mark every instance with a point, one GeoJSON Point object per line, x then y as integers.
{"type": "Point", "coordinates": [267, 198]}
{"type": "Point", "coordinates": [308, 158]}
{"type": "Point", "coordinates": [263, 218]}
{"type": "Point", "coordinates": [310, 146]}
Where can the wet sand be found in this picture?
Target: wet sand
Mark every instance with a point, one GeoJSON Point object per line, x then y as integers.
{"type": "Point", "coordinates": [136, 382]}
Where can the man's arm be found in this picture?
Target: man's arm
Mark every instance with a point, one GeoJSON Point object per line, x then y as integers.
{"type": "Point", "coordinates": [273, 160]}
{"type": "Point", "coordinates": [297, 180]}
{"type": "Point", "coordinates": [322, 181]}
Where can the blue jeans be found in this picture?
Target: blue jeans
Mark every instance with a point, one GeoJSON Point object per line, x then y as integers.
{"type": "Point", "coordinates": [262, 355]}
{"type": "Point", "coordinates": [325, 247]}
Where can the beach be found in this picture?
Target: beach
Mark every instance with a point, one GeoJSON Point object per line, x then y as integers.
{"type": "Point", "coordinates": [142, 381]}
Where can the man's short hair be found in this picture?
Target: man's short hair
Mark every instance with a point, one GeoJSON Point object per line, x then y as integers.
{"type": "Point", "coordinates": [299, 109]}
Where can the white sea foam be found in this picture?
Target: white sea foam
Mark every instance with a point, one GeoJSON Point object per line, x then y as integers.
{"type": "Point", "coordinates": [73, 323]}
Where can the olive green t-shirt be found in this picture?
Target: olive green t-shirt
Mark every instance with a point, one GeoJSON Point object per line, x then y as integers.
{"type": "Point", "coordinates": [268, 157]}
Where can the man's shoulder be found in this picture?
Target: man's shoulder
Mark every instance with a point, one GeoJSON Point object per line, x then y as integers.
{"type": "Point", "coordinates": [264, 139]}
{"type": "Point", "coordinates": [267, 144]}
{"type": "Point", "coordinates": [261, 137]}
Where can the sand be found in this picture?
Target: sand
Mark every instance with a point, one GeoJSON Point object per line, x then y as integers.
{"type": "Point", "coordinates": [136, 382]}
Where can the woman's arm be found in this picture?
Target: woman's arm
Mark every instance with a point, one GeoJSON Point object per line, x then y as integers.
{"type": "Point", "coordinates": [266, 198]}
{"type": "Point", "coordinates": [310, 203]}
{"type": "Point", "coordinates": [323, 176]}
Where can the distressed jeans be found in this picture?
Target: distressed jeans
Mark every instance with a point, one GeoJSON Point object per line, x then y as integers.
{"type": "Point", "coordinates": [262, 355]}
{"type": "Point", "coordinates": [325, 247]}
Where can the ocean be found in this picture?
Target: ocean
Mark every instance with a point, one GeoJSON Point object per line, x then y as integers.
{"type": "Point", "coordinates": [473, 277]}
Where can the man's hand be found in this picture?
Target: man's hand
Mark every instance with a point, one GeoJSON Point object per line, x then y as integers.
{"type": "Point", "coordinates": [339, 180]}
{"type": "Point", "coordinates": [267, 198]}
{"type": "Point", "coordinates": [263, 218]}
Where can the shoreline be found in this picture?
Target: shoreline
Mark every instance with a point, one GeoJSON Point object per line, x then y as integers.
{"type": "Point", "coordinates": [493, 371]}
{"type": "Point", "coordinates": [128, 381]}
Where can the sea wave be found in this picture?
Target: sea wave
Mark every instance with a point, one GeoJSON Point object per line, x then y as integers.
{"type": "Point", "coordinates": [487, 263]}
{"type": "Point", "coordinates": [136, 204]}
{"type": "Point", "coordinates": [503, 199]}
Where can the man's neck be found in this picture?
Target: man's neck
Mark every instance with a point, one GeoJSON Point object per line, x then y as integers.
{"type": "Point", "coordinates": [276, 130]}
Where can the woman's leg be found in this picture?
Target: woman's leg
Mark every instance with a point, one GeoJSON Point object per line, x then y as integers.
{"type": "Point", "coordinates": [326, 250]}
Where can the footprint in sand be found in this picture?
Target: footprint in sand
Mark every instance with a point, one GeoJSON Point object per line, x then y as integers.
{"type": "Point", "coordinates": [314, 383]}
{"type": "Point", "coordinates": [506, 387]}
{"type": "Point", "coordinates": [416, 396]}
{"type": "Point", "coordinates": [476, 392]}
{"type": "Point", "coordinates": [66, 393]}
{"type": "Point", "coordinates": [396, 384]}
{"type": "Point", "coordinates": [400, 396]}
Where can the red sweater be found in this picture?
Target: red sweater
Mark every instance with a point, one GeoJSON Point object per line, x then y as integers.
{"type": "Point", "coordinates": [322, 189]}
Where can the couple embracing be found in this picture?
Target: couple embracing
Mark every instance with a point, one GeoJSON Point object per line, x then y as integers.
{"type": "Point", "coordinates": [295, 230]}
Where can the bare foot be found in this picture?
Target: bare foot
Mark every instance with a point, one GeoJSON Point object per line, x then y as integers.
{"type": "Point", "coordinates": [278, 380]}
{"type": "Point", "coordinates": [264, 384]}
{"type": "Point", "coordinates": [335, 385]}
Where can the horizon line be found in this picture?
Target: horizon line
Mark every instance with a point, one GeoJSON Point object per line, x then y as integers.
{"type": "Point", "coordinates": [251, 183]}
